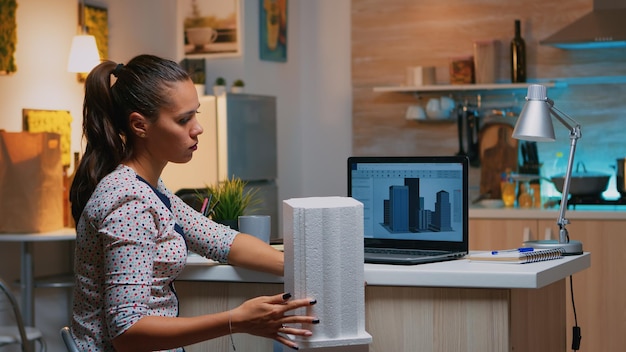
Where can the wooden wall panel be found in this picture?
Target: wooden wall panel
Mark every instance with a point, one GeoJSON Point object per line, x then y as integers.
{"type": "Point", "coordinates": [390, 35]}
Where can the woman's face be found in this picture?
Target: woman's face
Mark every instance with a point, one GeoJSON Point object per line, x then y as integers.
{"type": "Point", "coordinates": [173, 137]}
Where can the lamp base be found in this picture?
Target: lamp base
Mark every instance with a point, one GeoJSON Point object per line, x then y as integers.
{"type": "Point", "coordinates": [570, 248]}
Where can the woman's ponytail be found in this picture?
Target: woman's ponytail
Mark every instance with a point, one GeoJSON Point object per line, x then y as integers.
{"type": "Point", "coordinates": [113, 92]}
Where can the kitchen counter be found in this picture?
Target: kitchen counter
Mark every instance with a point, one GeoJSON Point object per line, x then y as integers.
{"type": "Point", "coordinates": [489, 307]}
{"type": "Point", "coordinates": [596, 212]}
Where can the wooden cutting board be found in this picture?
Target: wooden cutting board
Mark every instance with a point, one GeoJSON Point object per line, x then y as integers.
{"type": "Point", "coordinates": [498, 152]}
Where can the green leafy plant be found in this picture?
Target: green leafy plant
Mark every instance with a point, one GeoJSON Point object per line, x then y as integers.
{"type": "Point", "coordinates": [230, 199]}
{"type": "Point", "coordinates": [198, 76]}
{"type": "Point", "coordinates": [220, 81]}
{"type": "Point", "coordinates": [238, 83]}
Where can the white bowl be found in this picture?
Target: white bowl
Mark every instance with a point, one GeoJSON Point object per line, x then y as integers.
{"type": "Point", "coordinates": [439, 109]}
{"type": "Point", "coordinates": [492, 203]}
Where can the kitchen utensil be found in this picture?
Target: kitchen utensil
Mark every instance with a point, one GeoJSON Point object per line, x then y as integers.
{"type": "Point", "coordinates": [498, 152]}
{"type": "Point", "coordinates": [459, 126]}
{"type": "Point", "coordinates": [620, 179]}
{"type": "Point", "coordinates": [468, 130]}
{"type": "Point", "coordinates": [472, 130]}
{"type": "Point", "coordinates": [583, 183]}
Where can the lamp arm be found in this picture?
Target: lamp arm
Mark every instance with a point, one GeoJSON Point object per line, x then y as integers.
{"type": "Point", "coordinates": [575, 134]}
{"type": "Point", "coordinates": [563, 118]}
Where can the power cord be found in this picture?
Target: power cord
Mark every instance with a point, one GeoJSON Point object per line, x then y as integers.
{"type": "Point", "coordinates": [576, 337]}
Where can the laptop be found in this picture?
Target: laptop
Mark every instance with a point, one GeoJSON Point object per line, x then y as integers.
{"type": "Point", "coordinates": [415, 209]}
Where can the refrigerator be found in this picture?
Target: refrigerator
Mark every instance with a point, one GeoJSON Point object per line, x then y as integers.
{"type": "Point", "coordinates": [239, 139]}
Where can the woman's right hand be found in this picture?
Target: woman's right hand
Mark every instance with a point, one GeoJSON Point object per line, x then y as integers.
{"type": "Point", "coordinates": [265, 316]}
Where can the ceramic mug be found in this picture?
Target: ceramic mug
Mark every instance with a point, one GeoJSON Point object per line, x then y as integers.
{"type": "Point", "coordinates": [201, 36]}
{"type": "Point", "coordinates": [415, 112]}
{"type": "Point", "coordinates": [258, 226]}
{"type": "Point", "coordinates": [441, 108]}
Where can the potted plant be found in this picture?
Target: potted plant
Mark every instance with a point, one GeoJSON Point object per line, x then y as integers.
{"type": "Point", "coordinates": [219, 87]}
{"type": "Point", "coordinates": [237, 86]}
{"type": "Point", "coordinates": [230, 199]}
{"type": "Point", "coordinates": [198, 79]}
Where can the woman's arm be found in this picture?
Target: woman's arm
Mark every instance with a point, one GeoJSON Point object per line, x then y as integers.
{"type": "Point", "coordinates": [154, 333]}
{"type": "Point", "coordinates": [250, 252]}
{"type": "Point", "coordinates": [261, 316]}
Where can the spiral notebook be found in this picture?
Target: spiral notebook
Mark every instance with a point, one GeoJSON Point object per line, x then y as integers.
{"type": "Point", "coordinates": [516, 256]}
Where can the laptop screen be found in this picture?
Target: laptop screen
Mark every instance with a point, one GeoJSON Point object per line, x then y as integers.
{"type": "Point", "coordinates": [412, 202]}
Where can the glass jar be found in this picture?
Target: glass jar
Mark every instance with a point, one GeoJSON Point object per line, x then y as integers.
{"type": "Point", "coordinates": [525, 198]}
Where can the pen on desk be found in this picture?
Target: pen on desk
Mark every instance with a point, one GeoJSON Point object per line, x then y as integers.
{"type": "Point", "coordinates": [206, 212]}
{"type": "Point", "coordinates": [521, 250]}
{"type": "Point", "coordinates": [213, 207]}
{"type": "Point", "coordinates": [204, 205]}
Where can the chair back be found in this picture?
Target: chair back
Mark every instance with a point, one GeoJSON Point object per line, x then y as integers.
{"type": "Point", "coordinates": [17, 315]}
{"type": "Point", "coordinates": [70, 344]}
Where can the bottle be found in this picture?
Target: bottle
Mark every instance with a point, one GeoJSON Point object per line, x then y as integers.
{"type": "Point", "coordinates": [508, 189]}
{"type": "Point", "coordinates": [518, 56]}
{"type": "Point", "coordinates": [525, 197]}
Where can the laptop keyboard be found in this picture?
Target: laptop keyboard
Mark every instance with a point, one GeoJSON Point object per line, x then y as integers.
{"type": "Point", "coordinates": [410, 252]}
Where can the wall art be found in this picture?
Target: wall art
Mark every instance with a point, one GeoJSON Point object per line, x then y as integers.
{"type": "Point", "coordinates": [8, 36]}
{"type": "Point", "coordinates": [273, 30]}
{"type": "Point", "coordinates": [211, 28]}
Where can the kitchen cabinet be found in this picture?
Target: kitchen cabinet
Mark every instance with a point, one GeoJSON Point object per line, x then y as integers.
{"type": "Point", "coordinates": [488, 234]}
{"type": "Point", "coordinates": [598, 291]}
{"type": "Point", "coordinates": [447, 306]}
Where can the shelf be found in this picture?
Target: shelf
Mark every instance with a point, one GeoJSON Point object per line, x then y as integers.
{"type": "Point", "coordinates": [428, 121]}
{"type": "Point", "coordinates": [463, 87]}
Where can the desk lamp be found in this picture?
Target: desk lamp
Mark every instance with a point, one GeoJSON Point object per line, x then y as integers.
{"type": "Point", "coordinates": [535, 124]}
{"type": "Point", "coordinates": [84, 55]}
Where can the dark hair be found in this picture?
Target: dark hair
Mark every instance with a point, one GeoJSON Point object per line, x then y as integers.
{"type": "Point", "coordinates": [140, 86]}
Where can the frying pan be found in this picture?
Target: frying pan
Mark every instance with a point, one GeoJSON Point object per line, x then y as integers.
{"type": "Point", "coordinates": [583, 183]}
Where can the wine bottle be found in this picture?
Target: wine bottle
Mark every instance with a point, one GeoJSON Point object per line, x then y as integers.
{"type": "Point", "coordinates": [518, 56]}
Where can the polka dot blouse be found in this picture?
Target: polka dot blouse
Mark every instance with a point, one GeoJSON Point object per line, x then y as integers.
{"type": "Point", "coordinates": [131, 244]}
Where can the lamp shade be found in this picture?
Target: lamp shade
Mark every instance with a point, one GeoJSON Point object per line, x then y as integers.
{"type": "Point", "coordinates": [84, 54]}
{"type": "Point", "coordinates": [535, 121]}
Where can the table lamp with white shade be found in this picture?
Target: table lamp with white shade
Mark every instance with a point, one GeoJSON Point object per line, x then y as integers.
{"type": "Point", "coordinates": [84, 54]}
{"type": "Point", "coordinates": [535, 124]}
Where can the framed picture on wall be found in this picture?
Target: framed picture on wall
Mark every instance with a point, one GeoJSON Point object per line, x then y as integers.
{"type": "Point", "coordinates": [211, 28]}
{"type": "Point", "coordinates": [8, 39]}
{"type": "Point", "coordinates": [273, 30]}
{"type": "Point", "coordinates": [97, 24]}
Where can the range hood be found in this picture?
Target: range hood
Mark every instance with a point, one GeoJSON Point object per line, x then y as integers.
{"type": "Point", "coordinates": [604, 27]}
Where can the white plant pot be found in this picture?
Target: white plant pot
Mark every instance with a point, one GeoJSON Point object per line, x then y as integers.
{"type": "Point", "coordinates": [219, 90]}
{"type": "Point", "coordinates": [236, 89]}
{"type": "Point", "coordinates": [201, 89]}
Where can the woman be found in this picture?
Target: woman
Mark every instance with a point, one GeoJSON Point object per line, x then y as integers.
{"type": "Point", "coordinates": [133, 233]}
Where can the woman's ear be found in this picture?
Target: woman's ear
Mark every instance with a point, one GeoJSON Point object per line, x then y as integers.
{"type": "Point", "coordinates": [138, 124]}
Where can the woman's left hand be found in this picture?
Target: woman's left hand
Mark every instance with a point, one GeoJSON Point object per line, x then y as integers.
{"type": "Point", "coordinates": [265, 316]}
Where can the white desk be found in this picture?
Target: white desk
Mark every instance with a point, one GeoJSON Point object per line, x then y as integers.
{"type": "Point", "coordinates": [449, 306]}
{"type": "Point", "coordinates": [454, 273]}
{"type": "Point", "coordinates": [27, 279]}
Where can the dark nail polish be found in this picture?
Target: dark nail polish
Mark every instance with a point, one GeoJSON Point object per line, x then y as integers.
{"type": "Point", "coordinates": [313, 302]}
{"type": "Point", "coordinates": [315, 321]}
{"type": "Point", "coordinates": [295, 347]}
{"type": "Point", "coordinates": [286, 296]}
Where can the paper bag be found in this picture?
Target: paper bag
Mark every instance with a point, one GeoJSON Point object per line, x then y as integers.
{"type": "Point", "coordinates": [31, 182]}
